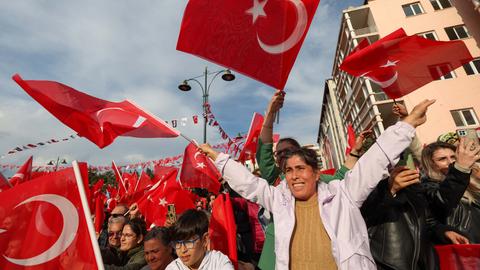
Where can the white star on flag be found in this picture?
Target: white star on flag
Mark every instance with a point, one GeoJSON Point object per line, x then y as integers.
{"type": "Point", "coordinates": [149, 198]}
{"type": "Point", "coordinates": [201, 165]}
{"type": "Point", "coordinates": [257, 10]}
{"type": "Point", "coordinates": [390, 63]}
{"type": "Point", "coordinates": [162, 202]}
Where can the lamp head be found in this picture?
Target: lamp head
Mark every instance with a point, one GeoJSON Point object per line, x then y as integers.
{"type": "Point", "coordinates": [228, 76]}
{"type": "Point", "coordinates": [184, 86]}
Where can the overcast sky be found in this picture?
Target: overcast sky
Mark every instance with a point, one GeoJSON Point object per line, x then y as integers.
{"type": "Point", "coordinates": [118, 50]}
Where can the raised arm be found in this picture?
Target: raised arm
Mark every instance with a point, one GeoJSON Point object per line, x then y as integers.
{"type": "Point", "coordinates": [373, 165]}
{"type": "Point", "coordinates": [240, 179]}
{"type": "Point", "coordinates": [265, 159]}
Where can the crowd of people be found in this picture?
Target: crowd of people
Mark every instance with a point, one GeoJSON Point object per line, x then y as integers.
{"type": "Point", "coordinates": [385, 208]}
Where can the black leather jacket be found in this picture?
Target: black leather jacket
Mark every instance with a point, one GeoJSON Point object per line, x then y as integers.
{"type": "Point", "coordinates": [400, 228]}
{"type": "Point", "coordinates": [465, 220]}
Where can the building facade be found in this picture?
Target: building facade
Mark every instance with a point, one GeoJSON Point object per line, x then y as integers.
{"type": "Point", "coordinates": [363, 104]}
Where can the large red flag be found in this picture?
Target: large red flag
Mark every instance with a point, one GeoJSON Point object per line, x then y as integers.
{"type": "Point", "coordinates": [98, 120]}
{"type": "Point", "coordinates": [222, 229]}
{"type": "Point", "coordinates": [44, 225]}
{"type": "Point", "coordinates": [23, 174]}
{"type": "Point", "coordinates": [249, 149]}
{"type": "Point", "coordinates": [260, 39]}
{"type": "Point", "coordinates": [154, 204]}
{"type": "Point", "coordinates": [198, 171]}
{"type": "Point", "coordinates": [454, 257]}
{"type": "Point", "coordinates": [350, 139]}
{"type": "Point", "coordinates": [400, 64]}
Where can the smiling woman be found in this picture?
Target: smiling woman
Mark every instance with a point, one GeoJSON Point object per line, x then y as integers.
{"type": "Point", "coordinates": [319, 225]}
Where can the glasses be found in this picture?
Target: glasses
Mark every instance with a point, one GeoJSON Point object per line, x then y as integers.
{"type": "Point", "coordinates": [188, 244]}
{"type": "Point", "coordinates": [116, 215]}
{"type": "Point", "coordinates": [116, 234]}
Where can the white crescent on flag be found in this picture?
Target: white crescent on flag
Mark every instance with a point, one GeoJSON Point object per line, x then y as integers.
{"type": "Point", "coordinates": [295, 36]}
{"type": "Point", "coordinates": [69, 231]}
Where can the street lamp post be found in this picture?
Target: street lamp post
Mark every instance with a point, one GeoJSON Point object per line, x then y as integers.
{"type": "Point", "coordinates": [56, 163]}
{"type": "Point", "coordinates": [227, 76]}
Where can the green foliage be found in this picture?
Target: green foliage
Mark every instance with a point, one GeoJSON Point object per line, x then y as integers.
{"type": "Point", "coordinates": [108, 177]}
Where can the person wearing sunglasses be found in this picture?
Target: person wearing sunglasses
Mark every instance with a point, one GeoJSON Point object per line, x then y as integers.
{"type": "Point", "coordinates": [190, 241]}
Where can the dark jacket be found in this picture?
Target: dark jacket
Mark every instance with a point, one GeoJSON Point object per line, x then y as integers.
{"type": "Point", "coordinates": [464, 220]}
{"type": "Point", "coordinates": [134, 259]}
{"type": "Point", "coordinates": [401, 227]}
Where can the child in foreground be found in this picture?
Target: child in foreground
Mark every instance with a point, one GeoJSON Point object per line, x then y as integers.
{"type": "Point", "coordinates": [190, 240]}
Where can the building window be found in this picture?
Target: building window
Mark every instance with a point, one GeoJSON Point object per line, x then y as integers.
{"type": "Point", "coordinates": [412, 9]}
{"type": "Point", "coordinates": [429, 35]}
{"type": "Point", "coordinates": [464, 117]}
{"type": "Point", "coordinates": [457, 32]}
{"type": "Point", "coordinates": [472, 67]}
{"type": "Point", "coordinates": [440, 4]}
{"type": "Point", "coordinates": [442, 72]}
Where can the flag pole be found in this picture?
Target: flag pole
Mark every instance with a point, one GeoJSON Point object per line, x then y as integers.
{"type": "Point", "coordinates": [88, 215]}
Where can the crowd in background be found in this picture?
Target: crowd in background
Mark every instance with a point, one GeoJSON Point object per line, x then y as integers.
{"type": "Point", "coordinates": [386, 207]}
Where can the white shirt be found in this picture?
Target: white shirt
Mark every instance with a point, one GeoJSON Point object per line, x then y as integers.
{"type": "Point", "coordinates": [213, 260]}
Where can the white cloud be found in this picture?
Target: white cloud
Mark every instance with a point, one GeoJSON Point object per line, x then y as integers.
{"type": "Point", "coordinates": [126, 49]}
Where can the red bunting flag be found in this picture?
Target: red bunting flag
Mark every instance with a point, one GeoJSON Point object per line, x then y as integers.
{"type": "Point", "coordinates": [350, 139]}
{"type": "Point", "coordinates": [222, 228]}
{"type": "Point", "coordinates": [260, 39]}
{"type": "Point", "coordinates": [198, 171]}
{"type": "Point", "coordinates": [400, 64]}
{"type": "Point", "coordinates": [250, 147]}
{"type": "Point", "coordinates": [154, 204]}
{"type": "Point", "coordinates": [98, 120]}
{"type": "Point", "coordinates": [23, 174]}
{"type": "Point", "coordinates": [45, 225]}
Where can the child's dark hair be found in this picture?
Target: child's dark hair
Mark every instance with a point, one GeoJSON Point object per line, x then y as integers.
{"type": "Point", "coordinates": [307, 155]}
{"type": "Point", "coordinates": [192, 222]}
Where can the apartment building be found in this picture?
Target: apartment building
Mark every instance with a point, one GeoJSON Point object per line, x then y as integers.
{"type": "Point", "coordinates": [362, 103]}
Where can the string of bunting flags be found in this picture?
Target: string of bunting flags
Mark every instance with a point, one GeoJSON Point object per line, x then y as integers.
{"type": "Point", "coordinates": [183, 121]}
{"type": "Point", "coordinates": [231, 146]}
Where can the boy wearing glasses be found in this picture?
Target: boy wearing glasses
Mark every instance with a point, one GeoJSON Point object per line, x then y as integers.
{"type": "Point", "coordinates": [190, 241]}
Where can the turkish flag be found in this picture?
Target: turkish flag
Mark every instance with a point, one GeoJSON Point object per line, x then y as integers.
{"type": "Point", "coordinates": [23, 174]}
{"type": "Point", "coordinates": [161, 172]}
{"type": "Point", "coordinates": [143, 182]}
{"type": "Point", "coordinates": [4, 184]}
{"type": "Point", "coordinates": [453, 257]}
{"type": "Point", "coordinates": [97, 204]}
{"type": "Point", "coordinates": [222, 228]}
{"type": "Point", "coordinates": [153, 205]}
{"type": "Point", "coordinates": [249, 149]}
{"type": "Point", "coordinates": [98, 120]}
{"type": "Point", "coordinates": [260, 39]}
{"type": "Point", "coordinates": [43, 225]}
{"type": "Point", "coordinates": [198, 171]}
{"type": "Point", "coordinates": [122, 189]}
{"type": "Point", "coordinates": [400, 64]}
{"type": "Point", "coordinates": [350, 139]}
